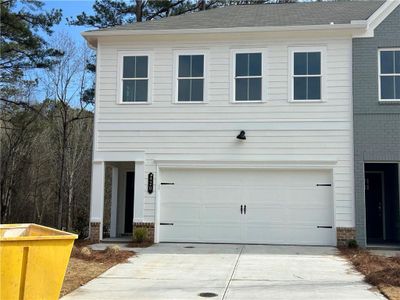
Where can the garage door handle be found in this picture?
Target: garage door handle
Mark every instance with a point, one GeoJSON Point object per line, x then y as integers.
{"type": "Point", "coordinates": [166, 223]}
{"type": "Point", "coordinates": [245, 209]}
{"type": "Point", "coordinates": [241, 209]}
{"type": "Point", "coordinates": [324, 226]}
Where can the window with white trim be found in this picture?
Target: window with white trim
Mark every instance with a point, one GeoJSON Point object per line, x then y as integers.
{"type": "Point", "coordinates": [248, 77]}
{"type": "Point", "coordinates": [389, 75]}
{"type": "Point", "coordinates": [190, 78]}
{"type": "Point", "coordinates": [307, 76]}
{"type": "Point", "coordinates": [135, 78]}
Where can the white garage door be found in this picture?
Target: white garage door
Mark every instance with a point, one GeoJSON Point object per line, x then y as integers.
{"type": "Point", "coordinates": [246, 206]}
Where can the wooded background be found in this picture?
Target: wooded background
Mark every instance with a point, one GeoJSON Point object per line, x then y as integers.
{"type": "Point", "coordinates": [47, 102]}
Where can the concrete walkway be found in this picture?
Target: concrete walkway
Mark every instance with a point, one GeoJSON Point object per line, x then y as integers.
{"type": "Point", "coordinates": [183, 271]}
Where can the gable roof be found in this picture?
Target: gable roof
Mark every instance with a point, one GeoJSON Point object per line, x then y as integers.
{"type": "Point", "coordinates": [261, 15]}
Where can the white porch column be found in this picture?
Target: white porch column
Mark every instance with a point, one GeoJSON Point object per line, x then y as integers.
{"type": "Point", "coordinates": [114, 202]}
{"type": "Point", "coordinates": [138, 214]}
{"type": "Point", "coordinates": [97, 200]}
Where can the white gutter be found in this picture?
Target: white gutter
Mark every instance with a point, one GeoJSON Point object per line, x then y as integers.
{"type": "Point", "coordinates": [91, 36]}
{"type": "Point", "coordinates": [352, 25]}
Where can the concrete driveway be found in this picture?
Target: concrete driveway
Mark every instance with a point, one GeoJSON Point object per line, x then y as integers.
{"type": "Point", "coordinates": [183, 271]}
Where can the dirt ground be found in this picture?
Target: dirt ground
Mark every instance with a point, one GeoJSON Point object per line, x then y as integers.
{"type": "Point", "coordinates": [382, 272]}
{"type": "Point", "coordinates": [86, 264]}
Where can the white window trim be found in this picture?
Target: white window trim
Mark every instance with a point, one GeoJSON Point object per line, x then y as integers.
{"type": "Point", "coordinates": [263, 76]}
{"type": "Point", "coordinates": [292, 51]}
{"type": "Point", "coordinates": [379, 75]}
{"type": "Point", "coordinates": [205, 77]}
{"type": "Point", "coordinates": [120, 67]}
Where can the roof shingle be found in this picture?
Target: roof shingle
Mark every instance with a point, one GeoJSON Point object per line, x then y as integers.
{"type": "Point", "coordinates": [290, 14]}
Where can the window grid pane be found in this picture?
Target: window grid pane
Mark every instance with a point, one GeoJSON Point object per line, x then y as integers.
{"type": "Point", "coordinates": [242, 65]}
{"type": "Point", "coordinates": [387, 62]}
{"type": "Point", "coordinates": [190, 90]}
{"type": "Point", "coordinates": [196, 90]}
{"type": "Point", "coordinates": [196, 66]}
{"type": "Point", "coordinates": [387, 87]}
{"type": "Point", "coordinates": [141, 63]}
{"type": "Point", "coordinates": [129, 66]}
{"type": "Point", "coordinates": [397, 62]}
{"type": "Point", "coordinates": [134, 90]}
{"type": "Point", "coordinates": [314, 63]}
{"type": "Point", "coordinates": [184, 66]}
{"type": "Point", "coordinates": [135, 67]}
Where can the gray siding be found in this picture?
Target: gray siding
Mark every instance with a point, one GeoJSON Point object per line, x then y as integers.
{"type": "Point", "coordinates": [376, 125]}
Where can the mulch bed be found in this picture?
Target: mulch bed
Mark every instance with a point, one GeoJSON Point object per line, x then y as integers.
{"type": "Point", "coordinates": [380, 271]}
{"type": "Point", "coordinates": [139, 245]}
{"type": "Point", "coordinates": [86, 264]}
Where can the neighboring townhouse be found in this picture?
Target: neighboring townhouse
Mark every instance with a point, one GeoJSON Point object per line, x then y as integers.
{"type": "Point", "coordinates": [376, 102]}
{"type": "Point", "coordinates": [233, 125]}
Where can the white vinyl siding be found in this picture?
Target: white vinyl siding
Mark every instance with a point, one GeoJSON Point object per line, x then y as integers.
{"type": "Point", "coordinates": [276, 130]}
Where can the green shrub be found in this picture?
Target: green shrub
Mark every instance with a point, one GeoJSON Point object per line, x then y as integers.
{"type": "Point", "coordinates": [352, 244]}
{"type": "Point", "coordinates": [140, 234]}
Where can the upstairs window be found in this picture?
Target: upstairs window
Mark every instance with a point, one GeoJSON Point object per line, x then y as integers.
{"type": "Point", "coordinates": [389, 75]}
{"type": "Point", "coordinates": [190, 78]}
{"type": "Point", "coordinates": [135, 80]}
{"type": "Point", "coordinates": [248, 77]}
{"type": "Point", "coordinates": [307, 76]}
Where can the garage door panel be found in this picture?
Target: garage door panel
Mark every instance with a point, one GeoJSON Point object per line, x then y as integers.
{"type": "Point", "coordinates": [289, 235]}
{"type": "Point", "coordinates": [221, 214]}
{"type": "Point", "coordinates": [221, 195]}
{"type": "Point", "coordinates": [225, 233]}
{"type": "Point", "coordinates": [180, 213]}
{"type": "Point", "coordinates": [283, 206]}
{"type": "Point", "coordinates": [179, 232]}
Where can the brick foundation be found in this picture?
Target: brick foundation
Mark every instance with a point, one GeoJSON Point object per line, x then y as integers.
{"type": "Point", "coordinates": [344, 235]}
{"type": "Point", "coordinates": [95, 232]}
{"type": "Point", "coordinates": [148, 226]}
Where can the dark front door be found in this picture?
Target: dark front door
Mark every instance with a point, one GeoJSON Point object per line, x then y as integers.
{"type": "Point", "coordinates": [374, 198]}
{"type": "Point", "coordinates": [130, 189]}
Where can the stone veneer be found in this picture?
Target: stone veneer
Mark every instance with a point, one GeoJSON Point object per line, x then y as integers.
{"type": "Point", "coordinates": [344, 235]}
{"type": "Point", "coordinates": [148, 226]}
{"type": "Point", "coordinates": [94, 235]}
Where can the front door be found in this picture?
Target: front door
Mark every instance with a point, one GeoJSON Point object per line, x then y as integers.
{"type": "Point", "coordinates": [374, 198]}
{"type": "Point", "coordinates": [129, 195]}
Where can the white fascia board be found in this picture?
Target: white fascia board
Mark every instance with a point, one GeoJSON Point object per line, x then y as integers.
{"type": "Point", "coordinates": [378, 17]}
{"type": "Point", "coordinates": [91, 36]}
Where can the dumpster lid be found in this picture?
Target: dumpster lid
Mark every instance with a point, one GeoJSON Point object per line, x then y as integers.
{"type": "Point", "coordinates": [32, 232]}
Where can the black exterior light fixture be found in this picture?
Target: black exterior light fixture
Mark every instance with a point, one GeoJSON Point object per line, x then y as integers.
{"type": "Point", "coordinates": [241, 135]}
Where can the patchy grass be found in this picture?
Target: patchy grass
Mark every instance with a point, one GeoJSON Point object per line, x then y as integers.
{"type": "Point", "coordinates": [380, 271]}
{"type": "Point", "coordinates": [86, 264]}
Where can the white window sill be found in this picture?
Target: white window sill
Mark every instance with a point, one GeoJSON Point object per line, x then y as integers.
{"type": "Point", "coordinates": [134, 103]}
{"type": "Point", "coordinates": [248, 101]}
{"type": "Point", "coordinates": [307, 101]}
{"type": "Point", "coordinates": [389, 101]}
{"type": "Point", "coordinates": [189, 102]}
